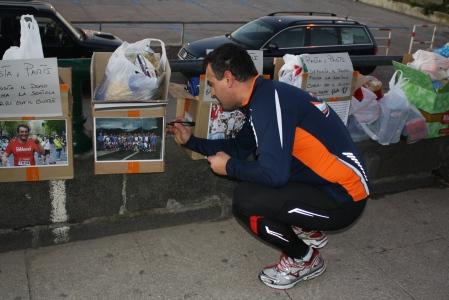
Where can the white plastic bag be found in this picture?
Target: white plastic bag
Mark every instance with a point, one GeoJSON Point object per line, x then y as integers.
{"type": "Point", "coordinates": [30, 41]}
{"type": "Point", "coordinates": [415, 128]}
{"type": "Point", "coordinates": [134, 72]}
{"type": "Point", "coordinates": [393, 115]}
{"type": "Point", "coordinates": [292, 70]}
{"type": "Point", "coordinates": [368, 109]}
{"type": "Point", "coordinates": [431, 63]}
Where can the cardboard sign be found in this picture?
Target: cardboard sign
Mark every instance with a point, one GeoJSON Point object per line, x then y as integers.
{"type": "Point", "coordinates": [29, 88]}
{"type": "Point", "coordinates": [256, 56]}
{"type": "Point", "coordinates": [329, 75]}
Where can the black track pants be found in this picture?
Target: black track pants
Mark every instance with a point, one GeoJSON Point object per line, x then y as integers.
{"type": "Point", "coordinates": [270, 212]}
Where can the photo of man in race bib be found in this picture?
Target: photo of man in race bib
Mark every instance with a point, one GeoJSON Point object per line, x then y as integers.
{"type": "Point", "coordinates": [23, 148]}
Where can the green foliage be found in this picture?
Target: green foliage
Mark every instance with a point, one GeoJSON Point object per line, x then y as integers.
{"type": "Point", "coordinates": [54, 127]}
{"type": "Point", "coordinates": [428, 8]}
{"type": "Point", "coordinates": [9, 128]}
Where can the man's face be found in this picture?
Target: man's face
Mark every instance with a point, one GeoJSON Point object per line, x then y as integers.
{"type": "Point", "coordinates": [222, 90]}
{"type": "Point", "coordinates": [23, 134]}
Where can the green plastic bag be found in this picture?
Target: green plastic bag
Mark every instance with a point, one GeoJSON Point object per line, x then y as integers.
{"type": "Point", "coordinates": [420, 92]}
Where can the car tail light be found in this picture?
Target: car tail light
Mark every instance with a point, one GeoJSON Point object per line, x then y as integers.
{"type": "Point", "coordinates": [376, 50]}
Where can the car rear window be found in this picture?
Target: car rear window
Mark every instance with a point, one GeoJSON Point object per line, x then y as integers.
{"type": "Point", "coordinates": [323, 36]}
{"type": "Point", "coordinates": [354, 35]}
{"type": "Point", "coordinates": [253, 34]}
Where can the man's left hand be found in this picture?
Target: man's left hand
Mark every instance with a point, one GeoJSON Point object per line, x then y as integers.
{"type": "Point", "coordinates": [218, 162]}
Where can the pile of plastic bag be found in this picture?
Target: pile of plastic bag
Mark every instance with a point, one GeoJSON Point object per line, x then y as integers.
{"type": "Point", "coordinates": [134, 72]}
{"type": "Point", "coordinates": [435, 65]}
{"type": "Point", "coordinates": [373, 114]}
{"type": "Point", "coordinates": [386, 119]}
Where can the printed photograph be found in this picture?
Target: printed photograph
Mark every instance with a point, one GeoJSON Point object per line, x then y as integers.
{"type": "Point", "coordinates": [33, 143]}
{"type": "Point", "coordinates": [224, 124]}
{"type": "Point", "coordinates": [128, 139]}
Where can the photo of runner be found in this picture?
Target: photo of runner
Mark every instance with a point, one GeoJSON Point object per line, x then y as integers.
{"type": "Point", "coordinates": [224, 124]}
{"type": "Point", "coordinates": [32, 143]}
{"type": "Point", "coordinates": [129, 139]}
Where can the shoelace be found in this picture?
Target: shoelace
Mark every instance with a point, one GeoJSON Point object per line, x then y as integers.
{"type": "Point", "coordinates": [305, 233]}
{"type": "Point", "coordinates": [286, 263]}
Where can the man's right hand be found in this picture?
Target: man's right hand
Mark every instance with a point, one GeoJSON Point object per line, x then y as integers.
{"type": "Point", "coordinates": [182, 133]}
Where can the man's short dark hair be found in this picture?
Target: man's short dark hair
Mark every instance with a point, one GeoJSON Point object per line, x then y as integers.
{"type": "Point", "coordinates": [231, 57]}
{"type": "Point", "coordinates": [23, 126]}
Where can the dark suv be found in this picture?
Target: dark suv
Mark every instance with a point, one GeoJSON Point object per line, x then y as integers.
{"type": "Point", "coordinates": [294, 33]}
{"type": "Point", "coordinates": [59, 38]}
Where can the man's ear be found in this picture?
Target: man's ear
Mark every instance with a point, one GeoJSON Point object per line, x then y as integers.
{"type": "Point", "coordinates": [229, 78]}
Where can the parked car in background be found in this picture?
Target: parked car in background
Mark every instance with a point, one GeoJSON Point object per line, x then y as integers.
{"type": "Point", "coordinates": [59, 38]}
{"type": "Point", "coordinates": [294, 33]}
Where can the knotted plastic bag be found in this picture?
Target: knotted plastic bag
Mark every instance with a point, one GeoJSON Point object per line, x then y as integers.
{"type": "Point", "coordinates": [291, 71]}
{"type": "Point", "coordinates": [134, 72]}
{"type": "Point", "coordinates": [30, 41]}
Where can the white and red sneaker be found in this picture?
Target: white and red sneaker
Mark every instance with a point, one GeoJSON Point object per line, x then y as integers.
{"type": "Point", "coordinates": [289, 271]}
{"type": "Point", "coordinates": [314, 239]}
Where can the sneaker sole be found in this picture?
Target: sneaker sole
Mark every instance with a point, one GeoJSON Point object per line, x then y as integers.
{"type": "Point", "coordinates": [316, 273]}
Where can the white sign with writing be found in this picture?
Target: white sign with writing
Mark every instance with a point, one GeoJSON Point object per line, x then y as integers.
{"type": "Point", "coordinates": [341, 108]}
{"type": "Point", "coordinates": [256, 56]}
{"type": "Point", "coordinates": [29, 88]}
{"type": "Point", "coordinates": [329, 75]}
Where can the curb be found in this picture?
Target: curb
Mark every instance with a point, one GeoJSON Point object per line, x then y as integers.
{"type": "Point", "coordinates": [48, 235]}
{"type": "Point", "coordinates": [407, 9]}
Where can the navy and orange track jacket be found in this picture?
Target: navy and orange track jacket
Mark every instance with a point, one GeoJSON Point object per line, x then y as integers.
{"type": "Point", "coordinates": [294, 138]}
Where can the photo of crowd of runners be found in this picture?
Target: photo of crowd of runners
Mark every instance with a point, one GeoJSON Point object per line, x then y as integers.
{"type": "Point", "coordinates": [224, 124]}
{"type": "Point", "coordinates": [129, 139]}
{"type": "Point", "coordinates": [33, 143]}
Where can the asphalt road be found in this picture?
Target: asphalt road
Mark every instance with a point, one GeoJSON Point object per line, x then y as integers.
{"type": "Point", "coordinates": [90, 11]}
{"type": "Point", "coordinates": [129, 155]}
{"type": "Point", "coordinates": [232, 10]}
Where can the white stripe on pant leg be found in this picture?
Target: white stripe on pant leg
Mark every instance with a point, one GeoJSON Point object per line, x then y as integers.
{"type": "Point", "coordinates": [58, 210]}
{"type": "Point", "coordinates": [306, 213]}
{"type": "Point", "coordinates": [276, 234]}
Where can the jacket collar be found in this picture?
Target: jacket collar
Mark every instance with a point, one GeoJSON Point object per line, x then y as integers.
{"type": "Point", "coordinates": [256, 78]}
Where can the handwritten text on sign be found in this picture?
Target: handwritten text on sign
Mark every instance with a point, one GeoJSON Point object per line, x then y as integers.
{"type": "Point", "coordinates": [329, 75]}
{"type": "Point", "coordinates": [29, 88]}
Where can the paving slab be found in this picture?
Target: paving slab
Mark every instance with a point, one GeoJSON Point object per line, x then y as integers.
{"type": "Point", "coordinates": [13, 276]}
{"type": "Point", "coordinates": [385, 255]}
{"type": "Point", "coordinates": [426, 208]}
{"type": "Point", "coordinates": [106, 268]}
{"type": "Point", "coordinates": [421, 269]}
{"type": "Point", "coordinates": [213, 260]}
{"type": "Point", "coordinates": [386, 225]}
{"type": "Point", "coordinates": [349, 275]}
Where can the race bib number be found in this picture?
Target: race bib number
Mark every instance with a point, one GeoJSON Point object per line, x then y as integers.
{"type": "Point", "coordinates": [24, 163]}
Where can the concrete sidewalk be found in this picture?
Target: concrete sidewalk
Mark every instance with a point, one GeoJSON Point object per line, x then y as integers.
{"type": "Point", "coordinates": [399, 249]}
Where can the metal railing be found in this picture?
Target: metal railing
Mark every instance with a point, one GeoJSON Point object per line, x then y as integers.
{"type": "Point", "coordinates": [386, 38]}
{"type": "Point", "coordinates": [183, 25]}
{"type": "Point", "coordinates": [414, 41]}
